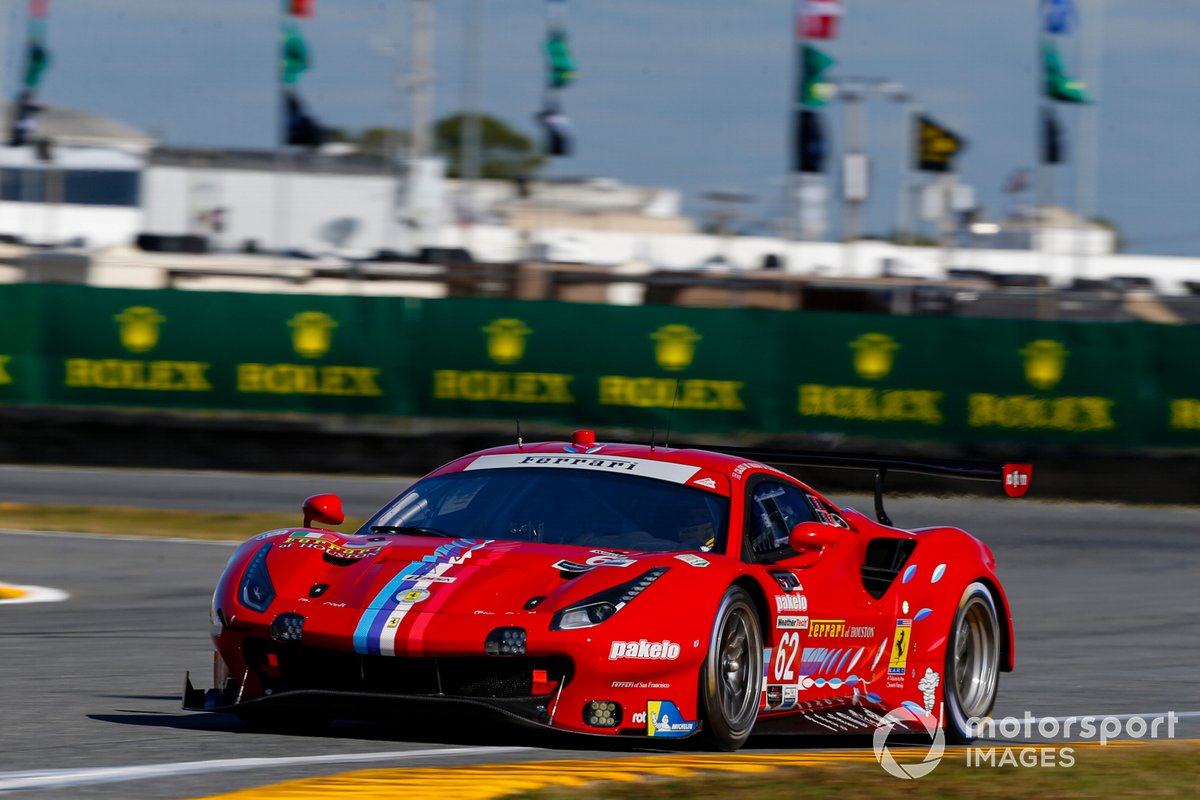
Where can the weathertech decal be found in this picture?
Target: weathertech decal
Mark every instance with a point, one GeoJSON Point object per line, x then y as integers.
{"type": "Point", "coordinates": [663, 470]}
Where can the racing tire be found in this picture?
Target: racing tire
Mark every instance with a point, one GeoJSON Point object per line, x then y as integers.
{"type": "Point", "coordinates": [731, 677]}
{"type": "Point", "coordinates": [972, 663]}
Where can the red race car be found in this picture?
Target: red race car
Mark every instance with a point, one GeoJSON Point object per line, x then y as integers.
{"type": "Point", "coordinates": [627, 590]}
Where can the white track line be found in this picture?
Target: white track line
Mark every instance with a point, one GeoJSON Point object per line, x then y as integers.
{"type": "Point", "coordinates": [32, 594]}
{"type": "Point", "coordinates": [66, 778]}
{"type": "Point", "coordinates": [123, 538]}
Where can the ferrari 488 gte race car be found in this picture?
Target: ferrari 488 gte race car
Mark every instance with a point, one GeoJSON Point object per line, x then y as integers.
{"type": "Point", "coordinates": [626, 590]}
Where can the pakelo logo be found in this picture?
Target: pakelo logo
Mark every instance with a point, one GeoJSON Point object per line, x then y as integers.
{"type": "Point", "coordinates": [644, 650]}
{"type": "Point", "coordinates": [908, 722]}
{"type": "Point", "coordinates": [1045, 360]}
{"type": "Point", "coordinates": [312, 333]}
{"type": "Point", "coordinates": [675, 346]}
{"type": "Point", "coordinates": [506, 340]}
{"type": "Point", "coordinates": [139, 328]}
{"type": "Point", "coordinates": [791, 602]}
{"type": "Point", "coordinates": [873, 355]}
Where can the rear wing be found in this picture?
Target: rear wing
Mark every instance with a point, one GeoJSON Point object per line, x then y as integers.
{"type": "Point", "coordinates": [1015, 478]}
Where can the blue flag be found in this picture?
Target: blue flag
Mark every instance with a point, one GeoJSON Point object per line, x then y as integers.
{"type": "Point", "coordinates": [1058, 16]}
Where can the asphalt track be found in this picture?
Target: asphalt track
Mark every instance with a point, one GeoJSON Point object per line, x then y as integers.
{"type": "Point", "coordinates": [1104, 599]}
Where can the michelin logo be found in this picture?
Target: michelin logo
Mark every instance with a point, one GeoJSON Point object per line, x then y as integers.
{"type": "Point", "coordinates": [664, 719]}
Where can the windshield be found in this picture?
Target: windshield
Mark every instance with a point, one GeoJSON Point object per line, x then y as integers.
{"type": "Point", "coordinates": [562, 506]}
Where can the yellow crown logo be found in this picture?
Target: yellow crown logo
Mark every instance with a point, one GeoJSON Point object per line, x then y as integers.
{"type": "Point", "coordinates": [312, 333]}
{"type": "Point", "coordinates": [873, 355]}
{"type": "Point", "coordinates": [506, 340]}
{"type": "Point", "coordinates": [139, 328]}
{"type": "Point", "coordinates": [675, 346]}
{"type": "Point", "coordinates": [1045, 360]}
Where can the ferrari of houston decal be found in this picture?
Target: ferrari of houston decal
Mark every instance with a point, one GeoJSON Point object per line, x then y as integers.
{"type": "Point", "coordinates": [377, 627]}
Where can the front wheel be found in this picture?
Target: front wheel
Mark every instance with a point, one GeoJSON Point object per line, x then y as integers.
{"type": "Point", "coordinates": [731, 678]}
{"type": "Point", "coordinates": [972, 663]}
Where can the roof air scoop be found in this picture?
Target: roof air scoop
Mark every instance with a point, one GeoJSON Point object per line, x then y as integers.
{"type": "Point", "coordinates": [583, 441]}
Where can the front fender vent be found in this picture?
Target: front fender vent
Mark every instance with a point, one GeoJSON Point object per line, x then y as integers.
{"type": "Point", "coordinates": [886, 556]}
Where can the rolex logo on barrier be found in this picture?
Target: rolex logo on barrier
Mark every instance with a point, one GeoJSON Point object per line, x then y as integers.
{"type": "Point", "coordinates": [138, 330]}
{"type": "Point", "coordinates": [675, 346]}
{"type": "Point", "coordinates": [506, 340]}
{"type": "Point", "coordinates": [1045, 360]}
{"type": "Point", "coordinates": [873, 355]}
{"type": "Point", "coordinates": [312, 337]}
{"type": "Point", "coordinates": [139, 327]}
{"type": "Point", "coordinates": [674, 350]}
{"type": "Point", "coordinates": [312, 333]}
{"type": "Point", "coordinates": [874, 358]}
{"type": "Point", "coordinates": [1045, 363]}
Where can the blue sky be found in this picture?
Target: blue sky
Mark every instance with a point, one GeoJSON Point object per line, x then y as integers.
{"type": "Point", "coordinates": [685, 93]}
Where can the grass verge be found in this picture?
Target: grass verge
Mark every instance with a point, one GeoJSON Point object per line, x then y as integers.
{"type": "Point", "coordinates": [231, 525]}
{"type": "Point", "coordinates": [1123, 769]}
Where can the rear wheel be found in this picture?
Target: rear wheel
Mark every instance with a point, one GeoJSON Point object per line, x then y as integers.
{"type": "Point", "coordinates": [972, 663]}
{"type": "Point", "coordinates": [731, 678]}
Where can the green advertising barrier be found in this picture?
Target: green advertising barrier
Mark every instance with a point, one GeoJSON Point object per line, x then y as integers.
{"type": "Point", "coordinates": [76, 346]}
{"type": "Point", "coordinates": [686, 369]}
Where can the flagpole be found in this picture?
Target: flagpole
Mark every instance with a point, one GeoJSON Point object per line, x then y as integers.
{"type": "Point", "coordinates": [1087, 173]}
{"type": "Point", "coordinates": [470, 133]}
{"type": "Point", "coordinates": [793, 204]}
{"type": "Point", "coordinates": [1042, 175]}
{"type": "Point", "coordinates": [5, 12]}
{"type": "Point", "coordinates": [280, 137]}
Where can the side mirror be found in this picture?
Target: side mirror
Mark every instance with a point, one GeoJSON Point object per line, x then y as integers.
{"type": "Point", "coordinates": [808, 537]}
{"type": "Point", "coordinates": [323, 508]}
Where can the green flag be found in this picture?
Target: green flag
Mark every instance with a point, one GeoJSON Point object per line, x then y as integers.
{"type": "Point", "coordinates": [815, 90]}
{"type": "Point", "coordinates": [295, 55]}
{"type": "Point", "coordinates": [558, 55]}
{"type": "Point", "coordinates": [1057, 85]}
{"type": "Point", "coordinates": [37, 58]}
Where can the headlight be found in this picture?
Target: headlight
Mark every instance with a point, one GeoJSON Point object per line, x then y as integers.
{"type": "Point", "coordinates": [584, 616]}
{"type": "Point", "coordinates": [600, 607]}
{"type": "Point", "coordinates": [256, 591]}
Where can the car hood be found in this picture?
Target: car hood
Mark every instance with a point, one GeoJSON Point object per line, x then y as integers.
{"type": "Point", "coordinates": [466, 576]}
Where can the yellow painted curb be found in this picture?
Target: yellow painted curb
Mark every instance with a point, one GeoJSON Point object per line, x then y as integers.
{"type": "Point", "coordinates": [486, 781]}
{"type": "Point", "coordinates": [11, 592]}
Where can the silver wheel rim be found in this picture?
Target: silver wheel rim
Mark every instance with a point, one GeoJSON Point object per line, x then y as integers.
{"type": "Point", "coordinates": [737, 667]}
{"type": "Point", "coordinates": [976, 658]}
